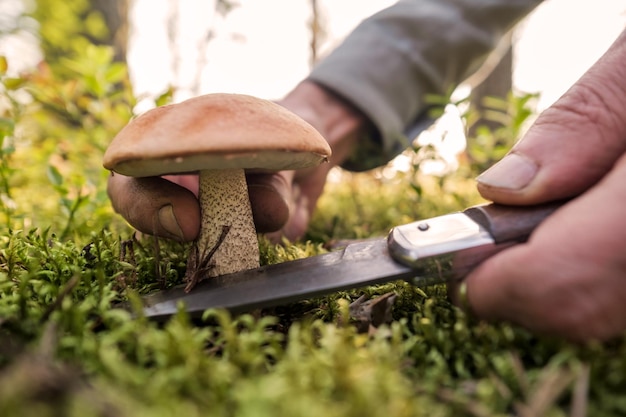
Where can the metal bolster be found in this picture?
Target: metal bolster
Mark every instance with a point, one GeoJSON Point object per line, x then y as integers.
{"type": "Point", "coordinates": [441, 248]}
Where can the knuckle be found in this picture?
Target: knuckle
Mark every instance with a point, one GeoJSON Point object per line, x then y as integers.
{"type": "Point", "coordinates": [592, 107]}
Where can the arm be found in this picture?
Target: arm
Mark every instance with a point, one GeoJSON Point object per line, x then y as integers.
{"type": "Point", "coordinates": [414, 48]}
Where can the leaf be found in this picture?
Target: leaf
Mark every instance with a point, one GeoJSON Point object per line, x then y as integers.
{"type": "Point", "coordinates": [13, 83]}
{"type": "Point", "coordinates": [4, 65]}
{"type": "Point", "coordinates": [164, 98]}
{"type": "Point", "coordinates": [7, 127]}
{"type": "Point", "coordinates": [54, 176]}
{"type": "Point", "coordinates": [115, 73]}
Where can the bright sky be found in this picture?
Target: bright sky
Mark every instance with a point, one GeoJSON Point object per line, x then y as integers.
{"type": "Point", "coordinates": [261, 48]}
{"type": "Point", "coordinates": [561, 40]}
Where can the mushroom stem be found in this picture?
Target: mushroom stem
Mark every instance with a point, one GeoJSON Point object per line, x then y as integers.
{"type": "Point", "coordinates": [224, 202]}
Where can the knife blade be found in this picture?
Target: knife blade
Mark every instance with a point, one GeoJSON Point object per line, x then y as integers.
{"type": "Point", "coordinates": [424, 252]}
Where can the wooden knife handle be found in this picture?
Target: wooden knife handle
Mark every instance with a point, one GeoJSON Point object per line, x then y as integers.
{"type": "Point", "coordinates": [510, 223]}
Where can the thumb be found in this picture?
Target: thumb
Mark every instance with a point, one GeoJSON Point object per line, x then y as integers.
{"type": "Point", "coordinates": [572, 144]}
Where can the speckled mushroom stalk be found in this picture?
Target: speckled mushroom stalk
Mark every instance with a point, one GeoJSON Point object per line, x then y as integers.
{"type": "Point", "coordinates": [224, 202]}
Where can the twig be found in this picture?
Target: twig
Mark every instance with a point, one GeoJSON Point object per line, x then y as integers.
{"type": "Point", "coordinates": [580, 393]}
{"type": "Point", "coordinates": [201, 263]}
{"type": "Point", "coordinates": [551, 385]}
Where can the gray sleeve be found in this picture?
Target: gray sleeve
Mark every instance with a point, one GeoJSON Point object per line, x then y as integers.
{"type": "Point", "coordinates": [412, 49]}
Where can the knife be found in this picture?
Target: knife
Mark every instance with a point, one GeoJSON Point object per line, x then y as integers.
{"type": "Point", "coordinates": [424, 252]}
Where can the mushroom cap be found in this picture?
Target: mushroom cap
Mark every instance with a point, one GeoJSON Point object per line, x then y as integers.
{"type": "Point", "coordinates": [215, 131]}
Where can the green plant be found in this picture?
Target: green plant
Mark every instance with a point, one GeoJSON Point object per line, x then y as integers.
{"type": "Point", "coordinates": [55, 129]}
{"type": "Point", "coordinates": [489, 145]}
{"type": "Point", "coordinates": [9, 115]}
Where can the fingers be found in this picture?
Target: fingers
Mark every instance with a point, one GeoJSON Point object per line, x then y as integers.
{"type": "Point", "coordinates": [156, 206]}
{"type": "Point", "coordinates": [572, 144]}
{"type": "Point", "coordinates": [166, 207]}
{"type": "Point", "coordinates": [270, 195]}
{"type": "Point", "coordinates": [569, 279]}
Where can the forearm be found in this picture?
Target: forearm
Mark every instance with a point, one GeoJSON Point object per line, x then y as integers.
{"type": "Point", "coordinates": [414, 48]}
{"type": "Point", "coordinates": [337, 119]}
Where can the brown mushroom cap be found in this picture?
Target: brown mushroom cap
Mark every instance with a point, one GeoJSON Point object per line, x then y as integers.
{"type": "Point", "coordinates": [215, 131]}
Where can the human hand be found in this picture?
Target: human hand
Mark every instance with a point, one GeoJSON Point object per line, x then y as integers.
{"type": "Point", "coordinates": [569, 280]}
{"type": "Point", "coordinates": [168, 206]}
{"type": "Point", "coordinates": [282, 202]}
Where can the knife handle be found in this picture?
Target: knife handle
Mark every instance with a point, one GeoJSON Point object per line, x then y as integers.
{"type": "Point", "coordinates": [510, 223]}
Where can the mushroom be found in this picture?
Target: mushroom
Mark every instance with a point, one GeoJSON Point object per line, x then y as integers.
{"type": "Point", "coordinates": [218, 136]}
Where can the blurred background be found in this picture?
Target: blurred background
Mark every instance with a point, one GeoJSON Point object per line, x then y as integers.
{"type": "Point", "coordinates": [265, 48]}
{"type": "Point", "coordinates": [75, 71]}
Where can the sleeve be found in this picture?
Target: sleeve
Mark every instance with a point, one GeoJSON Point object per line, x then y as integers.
{"type": "Point", "coordinates": [389, 64]}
